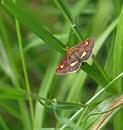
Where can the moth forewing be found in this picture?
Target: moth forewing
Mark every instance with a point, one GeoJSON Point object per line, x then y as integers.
{"type": "Point", "coordinates": [69, 69]}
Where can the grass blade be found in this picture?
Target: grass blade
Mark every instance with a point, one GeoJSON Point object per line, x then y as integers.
{"type": "Point", "coordinates": [24, 17]}
{"type": "Point", "coordinates": [92, 99]}
{"type": "Point", "coordinates": [69, 18]}
{"type": "Point", "coordinates": [9, 67]}
{"type": "Point", "coordinates": [44, 90]}
{"type": "Point", "coordinates": [3, 123]}
{"type": "Point", "coordinates": [118, 66]}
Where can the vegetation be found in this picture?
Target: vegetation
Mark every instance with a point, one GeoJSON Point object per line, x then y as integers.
{"type": "Point", "coordinates": [34, 35]}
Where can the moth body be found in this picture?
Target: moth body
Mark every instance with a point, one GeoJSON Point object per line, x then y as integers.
{"type": "Point", "coordinates": [75, 56]}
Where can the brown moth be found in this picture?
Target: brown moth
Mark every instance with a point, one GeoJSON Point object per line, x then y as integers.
{"type": "Point", "coordinates": [75, 56]}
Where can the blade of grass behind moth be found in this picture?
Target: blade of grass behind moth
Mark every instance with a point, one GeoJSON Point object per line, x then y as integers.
{"type": "Point", "coordinates": [76, 10]}
{"type": "Point", "coordinates": [66, 12]}
{"type": "Point", "coordinates": [6, 55]}
{"type": "Point", "coordinates": [118, 52]}
{"type": "Point", "coordinates": [10, 108]}
{"type": "Point", "coordinates": [97, 72]}
{"type": "Point", "coordinates": [3, 124]}
{"type": "Point", "coordinates": [25, 18]}
{"type": "Point", "coordinates": [117, 6]}
{"type": "Point", "coordinates": [102, 71]}
{"type": "Point", "coordinates": [98, 44]}
{"type": "Point", "coordinates": [24, 68]}
{"type": "Point", "coordinates": [94, 72]}
{"type": "Point", "coordinates": [109, 61]}
{"type": "Point", "coordinates": [9, 93]}
{"type": "Point", "coordinates": [65, 86]}
{"type": "Point", "coordinates": [102, 16]}
{"type": "Point", "coordinates": [101, 39]}
{"type": "Point", "coordinates": [44, 90]}
{"type": "Point", "coordinates": [36, 41]}
{"type": "Point", "coordinates": [118, 66]}
{"type": "Point", "coordinates": [12, 93]}
{"type": "Point", "coordinates": [10, 68]}
{"type": "Point", "coordinates": [79, 7]}
{"type": "Point", "coordinates": [75, 87]}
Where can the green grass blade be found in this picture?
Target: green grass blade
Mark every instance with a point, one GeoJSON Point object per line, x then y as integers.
{"type": "Point", "coordinates": [79, 7]}
{"type": "Point", "coordinates": [9, 67]}
{"type": "Point", "coordinates": [27, 84]}
{"type": "Point", "coordinates": [11, 93]}
{"type": "Point", "coordinates": [118, 66]}
{"type": "Point", "coordinates": [118, 52]}
{"type": "Point", "coordinates": [102, 71]}
{"type": "Point", "coordinates": [98, 44]}
{"type": "Point", "coordinates": [76, 86]}
{"type": "Point", "coordinates": [7, 61]}
{"type": "Point", "coordinates": [65, 11]}
{"type": "Point", "coordinates": [24, 17]}
{"type": "Point", "coordinates": [93, 99]}
{"type": "Point", "coordinates": [44, 90]}
{"type": "Point", "coordinates": [94, 72]}
{"type": "Point", "coordinates": [66, 85]}
{"type": "Point", "coordinates": [110, 107]}
{"type": "Point", "coordinates": [40, 19]}
{"type": "Point", "coordinates": [60, 105]}
{"type": "Point", "coordinates": [3, 124]}
{"type": "Point", "coordinates": [37, 41]}
{"type": "Point", "coordinates": [102, 17]}
{"type": "Point", "coordinates": [9, 107]}
{"type": "Point", "coordinates": [117, 6]}
{"type": "Point", "coordinates": [79, 80]}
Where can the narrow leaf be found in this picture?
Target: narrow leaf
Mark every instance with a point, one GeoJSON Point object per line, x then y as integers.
{"type": "Point", "coordinates": [25, 18]}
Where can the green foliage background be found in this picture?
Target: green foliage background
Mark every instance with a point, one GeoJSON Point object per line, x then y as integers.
{"type": "Point", "coordinates": [34, 35]}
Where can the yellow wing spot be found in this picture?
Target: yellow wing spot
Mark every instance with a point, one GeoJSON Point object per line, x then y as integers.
{"type": "Point", "coordinates": [86, 43]}
{"type": "Point", "coordinates": [61, 66]}
{"type": "Point", "coordinates": [83, 54]}
{"type": "Point", "coordinates": [74, 63]}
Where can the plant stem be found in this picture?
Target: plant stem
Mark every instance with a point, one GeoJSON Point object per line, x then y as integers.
{"type": "Point", "coordinates": [65, 11]}
{"type": "Point", "coordinates": [24, 67]}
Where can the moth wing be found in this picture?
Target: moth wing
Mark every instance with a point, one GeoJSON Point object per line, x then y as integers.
{"type": "Point", "coordinates": [90, 45]}
{"type": "Point", "coordinates": [75, 67]}
{"type": "Point", "coordinates": [80, 47]}
{"type": "Point", "coordinates": [68, 69]}
{"type": "Point", "coordinates": [63, 66]}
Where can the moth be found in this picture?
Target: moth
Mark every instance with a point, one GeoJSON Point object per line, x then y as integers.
{"type": "Point", "coordinates": [75, 56]}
